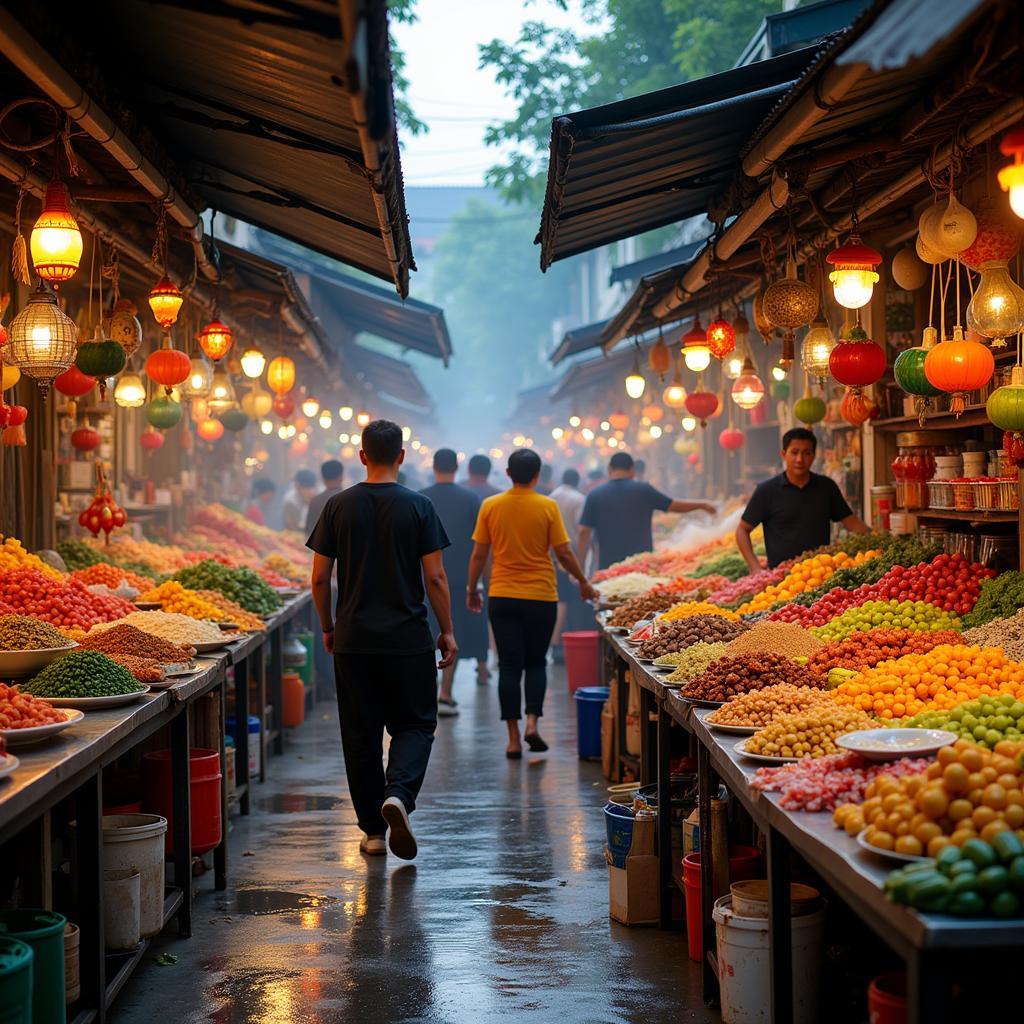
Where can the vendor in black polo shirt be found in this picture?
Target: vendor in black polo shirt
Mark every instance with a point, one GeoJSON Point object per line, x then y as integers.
{"type": "Point", "coordinates": [797, 507]}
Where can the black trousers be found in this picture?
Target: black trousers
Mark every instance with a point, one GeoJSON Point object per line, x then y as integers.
{"type": "Point", "coordinates": [522, 633]}
{"type": "Point", "coordinates": [378, 691]}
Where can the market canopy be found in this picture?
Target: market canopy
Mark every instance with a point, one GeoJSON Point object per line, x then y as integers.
{"type": "Point", "coordinates": [384, 377]}
{"type": "Point", "coordinates": [634, 271]}
{"type": "Point", "coordinates": [593, 375]}
{"type": "Point", "coordinates": [624, 168]}
{"type": "Point", "coordinates": [579, 339]}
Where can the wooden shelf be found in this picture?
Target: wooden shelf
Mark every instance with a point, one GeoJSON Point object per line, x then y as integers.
{"type": "Point", "coordinates": [975, 516]}
{"type": "Point", "coordinates": [972, 416]}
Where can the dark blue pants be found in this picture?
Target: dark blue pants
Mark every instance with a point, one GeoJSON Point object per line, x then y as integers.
{"type": "Point", "coordinates": [396, 692]}
{"type": "Point", "coordinates": [522, 633]}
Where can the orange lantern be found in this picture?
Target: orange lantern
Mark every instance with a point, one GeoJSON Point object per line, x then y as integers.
{"type": "Point", "coordinates": [721, 337]}
{"type": "Point", "coordinates": [210, 430]}
{"type": "Point", "coordinates": [654, 413]}
{"type": "Point", "coordinates": [618, 421]}
{"type": "Point", "coordinates": [168, 366]}
{"type": "Point", "coordinates": [165, 300]}
{"type": "Point", "coordinates": [660, 358]}
{"type": "Point", "coordinates": [281, 375]}
{"type": "Point", "coordinates": [215, 339]}
{"type": "Point", "coordinates": [958, 367]}
{"type": "Point", "coordinates": [855, 407]}
{"type": "Point", "coordinates": [56, 241]}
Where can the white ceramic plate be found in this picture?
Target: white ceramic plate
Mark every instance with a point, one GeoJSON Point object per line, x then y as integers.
{"type": "Point", "coordinates": [8, 765]}
{"type": "Point", "coordinates": [740, 748]}
{"type": "Point", "coordinates": [738, 730]}
{"type": "Point", "coordinates": [891, 744]}
{"type": "Point", "coordinates": [38, 733]}
{"type": "Point", "coordinates": [97, 703]}
{"type": "Point", "coordinates": [903, 858]}
{"type": "Point", "coordinates": [662, 668]}
{"type": "Point", "coordinates": [16, 664]}
{"type": "Point", "coordinates": [211, 645]}
{"type": "Point", "coordinates": [698, 703]}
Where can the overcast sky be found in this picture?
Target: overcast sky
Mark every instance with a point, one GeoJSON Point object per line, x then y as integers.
{"type": "Point", "coordinates": [450, 93]}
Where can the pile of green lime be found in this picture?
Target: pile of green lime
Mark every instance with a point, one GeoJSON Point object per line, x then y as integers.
{"type": "Point", "coordinates": [984, 721]}
{"type": "Point", "coordinates": [916, 615]}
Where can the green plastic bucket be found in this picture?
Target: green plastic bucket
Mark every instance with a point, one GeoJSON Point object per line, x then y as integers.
{"type": "Point", "coordinates": [15, 982]}
{"type": "Point", "coordinates": [43, 930]}
{"type": "Point", "coordinates": [305, 671]}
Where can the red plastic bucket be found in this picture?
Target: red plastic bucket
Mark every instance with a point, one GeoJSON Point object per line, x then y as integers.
{"type": "Point", "coordinates": [205, 795]}
{"type": "Point", "coordinates": [887, 999]}
{"type": "Point", "coordinates": [744, 863]}
{"type": "Point", "coordinates": [582, 667]}
{"type": "Point", "coordinates": [135, 807]}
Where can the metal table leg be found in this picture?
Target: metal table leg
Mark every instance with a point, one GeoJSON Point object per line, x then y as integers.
{"type": "Point", "coordinates": [648, 751]}
{"type": "Point", "coordinates": [622, 710]}
{"type": "Point", "coordinates": [242, 733]}
{"type": "Point", "coordinates": [780, 942]}
{"type": "Point", "coordinates": [89, 889]}
{"type": "Point", "coordinates": [182, 839]}
{"type": "Point", "coordinates": [276, 688]}
{"type": "Point", "coordinates": [665, 865]}
{"type": "Point", "coordinates": [928, 989]}
{"type": "Point", "coordinates": [707, 786]}
{"type": "Point", "coordinates": [220, 854]}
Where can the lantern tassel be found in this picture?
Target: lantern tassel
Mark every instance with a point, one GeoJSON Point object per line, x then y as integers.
{"type": "Point", "coordinates": [19, 251]}
{"type": "Point", "coordinates": [957, 403]}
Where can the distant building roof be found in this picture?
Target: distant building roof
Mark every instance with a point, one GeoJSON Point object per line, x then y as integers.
{"type": "Point", "coordinates": [802, 26]}
{"type": "Point", "coordinates": [659, 261]}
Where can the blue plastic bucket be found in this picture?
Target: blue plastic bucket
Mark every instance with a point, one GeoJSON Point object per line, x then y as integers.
{"type": "Point", "coordinates": [618, 823]}
{"type": "Point", "coordinates": [589, 702]}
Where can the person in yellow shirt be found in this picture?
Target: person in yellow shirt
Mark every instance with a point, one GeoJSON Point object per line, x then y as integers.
{"type": "Point", "coordinates": [518, 530]}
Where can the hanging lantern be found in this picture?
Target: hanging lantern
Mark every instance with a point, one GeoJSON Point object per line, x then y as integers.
{"type": "Point", "coordinates": [958, 367]}
{"type": "Point", "coordinates": [9, 376]}
{"type": "Point", "coordinates": [855, 408]}
{"type": "Point", "coordinates": [635, 383]}
{"type": "Point", "coordinates": [281, 375]}
{"type": "Point", "coordinates": [696, 353]}
{"type": "Point", "coordinates": [41, 339]}
{"type": "Point", "coordinates": [748, 388]}
{"type": "Point", "coordinates": [789, 302]}
{"type": "Point", "coordinates": [257, 403]}
{"type": "Point", "coordinates": [283, 406]}
{"type": "Point", "coordinates": [733, 367]}
{"type": "Point", "coordinates": [362, 419]}
{"type": "Point", "coordinates": [857, 361]}
{"type": "Point", "coordinates": [926, 254]}
{"type": "Point", "coordinates": [908, 370]}
{"type": "Point", "coordinates": [101, 359]}
{"type": "Point", "coordinates": [1005, 406]}
{"type": "Point", "coordinates": [85, 439]}
{"type": "Point", "coordinates": [163, 412]}
{"type": "Point", "coordinates": [1011, 177]}
{"type": "Point", "coordinates": [957, 228]}
{"type": "Point", "coordinates": [165, 300]}
{"type": "Point", "coordinates": [816, 349]}
{"type": "Point", "coordinates": [693, 459]}
{"type": "Point", "coordinates": [130, 392]}
{"type": "Point", "coordinates": [653, 412]}
{"type": "Point", "coordinates": [198, 410]}
{"type": "Point", "coordinates": [151, 439]}
{"type": "Point", "coordinates": [674, 396]}
{"type": "Point", "coordinates": [326, 420]}
{"type": "Point", "coordinates": [215, 339]}
{"type": "Point", "coordinates": [854, 277]}
{"type": "Point", "coordinates": [780, 390]}
{"type": "Point", "coordinates": [660, 358]}
{"type": "Point", "coordinates": [222, 392]}
{"type": "Point", "coordinates": [702, 405]}
{"type": "Point", "coordinates": [253, 363]}
{"type": "Point", "coordinates": [618, 421]}
{"type": "Point", "coordinates": [310, 406]}
{"type": "Point", "coordinates": [721, 338]}
{"type": "Point", "coordinates": [199, 379]}
{"type": "Point", "coordinates": [731, 439]}
{"type": "Point", "coordinates": [168, 366]}
{"type": "Point", "coordinates": [810, 409]}
{"type": "Point", "coordinates": [56, 241]}
{"type": "Point", "coordinates": [909, 271]}
{"type": "Point", "coordinates": [689, 424]}
{"type": "Point", "coordinates": [73, 383]}
{"type": "Point", "coordinates": [998, 237]}
{"type": "Point", "coordinates": [996, 309]}
{"type": "Point", "coordinates": [234, 420]}
{"type": "Point", "coordinates": [210, 430]}
{"type": "Point", "coordinates": [123, 326]}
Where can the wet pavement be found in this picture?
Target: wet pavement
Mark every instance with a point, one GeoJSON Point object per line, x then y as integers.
{"type": "Point", "coordinates": [504, 914]}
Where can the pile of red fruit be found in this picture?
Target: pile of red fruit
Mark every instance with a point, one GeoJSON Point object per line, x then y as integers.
{"type": "Point", "coordinates": [68, 604]}
{"type": "Point", "coordinates": [949, 582]}
{"type": "Point", "coordinates": [746, 586]}
{"type": "Point", "coordinates": [865, 650]}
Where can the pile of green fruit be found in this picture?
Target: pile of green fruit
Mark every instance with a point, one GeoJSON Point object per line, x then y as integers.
{"type": "Point", "coordinates": [917, 615]}
{"type": "Point", "coordinates": [77, 555]}
{"type": "Point", "coordinates": [730, 565]}
{"type": "Point", "coordinates": [240, 585]}
{"type": "Point", "coordinates": [1000, 598]}
{"type": "Point", "coordinates": [968, 881]}
{"type": "Point", "coordinates": [82, 674]}
{"type": "Point", "coordinates": [985, 721]}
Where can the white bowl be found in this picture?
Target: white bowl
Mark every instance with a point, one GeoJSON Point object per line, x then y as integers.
{"type": "Point", "coordinates": [891, 744]}
{"type": "Point", "coordinates": [16, 664]}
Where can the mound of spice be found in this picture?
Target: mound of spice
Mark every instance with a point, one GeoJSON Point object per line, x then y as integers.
{"type": "Point", "coordinates": [124, 639]}
{"type": "Point", "coordinates": [761, 707]}
{"type": "Point", "coordinates": [179, 629]}
{"type": "Point", "coordinates": [646, 606]}
{"type": "Point", "coordinates": [729, 677]}
{"type": "Point", "coordinates": [82, 674]}
{"type": "Point", "coordinates": [695, 660]}
{"type": "Point", "coordinates": [780, 637]}
{"type": "Point", "coordinates": [677, 636]}
{"type": "Point", "coordinates": [23, 633]}
{"type": "Point", "coordinates": [145, 670]}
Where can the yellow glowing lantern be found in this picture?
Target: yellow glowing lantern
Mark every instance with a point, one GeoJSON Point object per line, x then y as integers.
{"type": "Point", "coordinates": [56, 242]}
{"type": "Point", "coordinates": [854, 277]}
{"type": "Point", "coordinates": [130, 392]}
{"type": "Point", "coordinates": [363, 419]}
{"type": "Point", "coordinates": [281, 375]}
{"type": "Point", "coordinates": [165, 301]}
{"type": "Point", "coordinates": [253, 363]}
{"type": "Point", "coordinates": [310, 406]}
{"type": "Point", "coordinates": [696, 352]}
{"type": "Point", "coordinates": [1011, 177]}
{"type": "Point", "coordinates": [215, 339]}
{"type": "Point", "coordinates": [635, 383]}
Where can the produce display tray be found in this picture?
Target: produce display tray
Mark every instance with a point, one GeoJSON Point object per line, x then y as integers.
{"type": "Point", "coordinates": [37, 733]}
{"type": "Point", "coordinates": [8, 765]}
{"type": "Point", "coordinates": [96, 703]}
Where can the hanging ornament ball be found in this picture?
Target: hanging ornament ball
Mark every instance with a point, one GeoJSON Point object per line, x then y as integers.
{"type": "Point", "coordinates": [909, 271]}
{"type": "Point", "coordinates": [929, 229]}
{"type": "Point", "coordinates": [151, 439]}
{"type": "Point", "coordinates": [764, 326]}
{"type": "Point", "coordinates": [998, 238]}
{"type": "Point", "coordinates": [18, 415]}
{"type": "Point", "coordinates": [809, 409]}
{"type": "Point", "coordinates": [124, 327]}
{"type": "Point", "coordinates": [789, 302]}
{"type": "Point", "coordinates": [926, 253]}
{"type": "Point", "coordinates": [9, 376]}
{"type": "Point", "coordinates": [731, 439]}
{"type": "Point", "coordinates": [857, 361]}
{"type": "Point", "coordinates": [958, 227]}
{"type": "Point", "coordinates": [234, 420]}
{"type": "Point", "coordinates": [721, 338]}
{"type": "Point", "coordinates": [660, 358]}
{"type": "Point", "coordinates": [959, 367]}
{"type": "Point", "coordinates": [780, 390]}
{"type": "Point", "coordinates": [100, 358]}
{"type": "Point", "coordinates": [168, 366]}
{"type": "Point", "coordinates": [163, 412]}
{"type": "Point", "coordinates": [855, 408]}
{"type": "Point", "coordinates": [73, 383]}
{"type": "Point", "coordinates": [702, 405]}
{"type": "Point", "coordinates": [85, 439]}
{"type": "Point", "coordinates": [1005, 406]}
{"type": "Point", "coordinates": [284, 406]}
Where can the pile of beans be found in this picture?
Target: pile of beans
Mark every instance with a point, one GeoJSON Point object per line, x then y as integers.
{"type": "Point", "coordinates": [645, 606]}
{"type": "Point", "coordinates": [810, 733]}
{"type": "Point", "coordinates": [865, 650]}
{"type": "Point", "coordinates": [179, 629]}
{"type": "Point", "coordinates": [687, 609]}
{"type": "Point", "coordinates": [677, 636]}
{"type": "Point", "coordinates": [23, 633]}
{"type": "Point", "coordinates": [82, 674]}
{"type": "Point", "coordinates": [761, 707]}
{"type": "Point", "coordinates": [693, 661]}
{"type": "Point", "coordinates": [1005, 633]}
{"type": "Point", "coordinates": [780, 637]}
{"type": "Point", "coordinates": [729, 677]}
{"type": "Point", "coordinates": [122, 638]}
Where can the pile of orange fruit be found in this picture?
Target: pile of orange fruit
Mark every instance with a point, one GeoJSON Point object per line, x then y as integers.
{"type": "Point", "coordinates": [112, 576]}
{"type": "Point", "coordinates": [806, 575]}
{"type": "Point", "coordinates": [13, 555]}
{"type": "Point", "coordinates": [173, 597]}
{"type": "Point", "coordinates": [688, 608]}
{"type": "Point", "coordinates": [939, 679]}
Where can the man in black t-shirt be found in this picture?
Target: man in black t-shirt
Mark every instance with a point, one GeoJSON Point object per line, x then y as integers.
{"type": "Point", "coordinates": [797, 508]}
{"type": "Point", "coordinates": [387, 542]}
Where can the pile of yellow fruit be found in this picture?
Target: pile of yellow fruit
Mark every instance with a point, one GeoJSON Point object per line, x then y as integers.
{"type": "Point", "coordinates": [14, 556]}
{"type": "Point", "coordinates": [173, 597]}
{"type": "Point", "coordinates": [286, 567]}
{"type": "Point", "coordinates": [688, 608]}
{"type": "Point", "coordinates": [808, 733]}
{"type": "Point", "coordinates": [805, 575]}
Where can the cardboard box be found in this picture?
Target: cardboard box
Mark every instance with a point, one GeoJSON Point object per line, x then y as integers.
{"type": "Point", "coordinates": [608, 753]}
{"type": "Point", "coordinates": [691, 833]}
{"type": "Point", "coordinates": [633, 890]}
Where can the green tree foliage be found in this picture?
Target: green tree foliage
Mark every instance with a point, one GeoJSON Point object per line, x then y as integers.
{"type": "Point", "coordinates": [638, 46]}
{"type": "Point", "coordinates": [403, 11]}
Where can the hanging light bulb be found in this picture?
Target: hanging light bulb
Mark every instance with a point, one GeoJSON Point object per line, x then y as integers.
{"type": "Point", "coordinates": [130, 392]}
{"type": "Point", "coordinates": [778, 373]}
{"type": "Point", "coordinates": [346, 412]}
{"type": "Point", "coordinates": [253, 363]}
{"type": "Point", "coordinates": [362, 419]}
{"type": "Point", "coordinates": [996, 309]}
{"type": "Point", "coordinates": [655, 431]}
{"type": "Point", "coordinates": [854, 279]}
{"type": "Point", "coordinates": [557, 433]}
{"type": "Point", "coordinates": [574, 421]}
{"type": "Point", "coordinates": [817, 347]}
{"type": "Point", "coordinates": [1011, 177]}
{"type": "Point", "coordinates": [406, 433]}
{"type": "Point", "coordinates": [326, 419]}
{"type": "Point", "coordinates": [635, 383]}
{"type": "Point", "coordinates": [689, 424]}
{"type": "Point", "coordinates": [199, 379]}
{"type": "Point", "coordinates": [696, 352]}
{"type": "Point", "coordinates": [165, 300]}
{"type": "Point", "coordinates": [748, 388]}
{"type": "Point", "coordinates": [674, 396]}
{"type": "Point", "coordinates": [310, 407]}
{"type": "Point", "coordinates": [266, 427]}
{"type": "Point", "coordinates": [56, 241]}
{"type": "Point", "coordinates": [733, 367]}
{"type": "Point", "coordinates": [222, 392]}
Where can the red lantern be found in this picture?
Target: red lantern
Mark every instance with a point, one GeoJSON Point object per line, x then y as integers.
{"type": "Point", "coordinates": [168, 366]}
{"type": "Point", "coordinates": [18, 415]}
{"type": "Point", "coordinates": [73, 383]}
{"type": "Point", "coordinates": [693, 458]}
{"type": "Point", "coordinates": [215, 339]}
{"type": "Point", "coordinates": [731, 439]}
{"type": "Point", "coordinates": [151, 439]}
{"type": "Point", "coordinates": [283, 406]}
{"type": "Point", "coordinates": [5, 415]}
{"type": "Point", "coordinates": [85, 439]}
{"type": "Point", "coordinates": [1013, 445]}
{"type": "Point", "coordinates": [857, 361]}
{"type": "Point", "coordinates": [210, 430]}
{"type": "Point", "coordinates": [855, 408]}
{"type": "Point", "coordinates": [14, 436]}
{"type": "Point", "coordinates": [998, 237]}
{"type": "Point", "coordinates": [702, 405]}
{"type": "Point", "coordinates": [299, 446]}
{"type": "Point", "coordinates": [721, 338]}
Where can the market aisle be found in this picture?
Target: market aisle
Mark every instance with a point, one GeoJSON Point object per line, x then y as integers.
{"type": "Point", "coordinates": [503, 914]}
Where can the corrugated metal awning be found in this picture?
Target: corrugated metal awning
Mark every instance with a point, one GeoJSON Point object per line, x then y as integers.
{"type": "Point", "coordinates": [628, 167]}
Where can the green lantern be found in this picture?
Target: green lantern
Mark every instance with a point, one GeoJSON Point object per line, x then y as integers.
{"type": "Point", "coordinates": [234, 419]}
{"type": "Point", "coordinates": [908, 369]}
{"type": "Point", "coordinates": [780, 390]}
{"type": "Point", "coordinates": [809, 409]}
{"type": "Point", "coordinates": [1005, 406]}
{"type": "Point", "coordinates": [163, 413]}
{"type": "Point", "coordinates": [100, 359]}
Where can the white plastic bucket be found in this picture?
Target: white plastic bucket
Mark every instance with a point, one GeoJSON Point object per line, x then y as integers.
{"type": "Point", "coordinates": [122, 920]}
{"type": "Point", "coordinates": [744, 965]}
{"type": "Point", "coordinates": [135, 842]}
